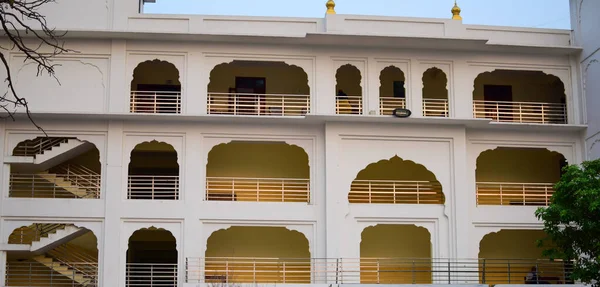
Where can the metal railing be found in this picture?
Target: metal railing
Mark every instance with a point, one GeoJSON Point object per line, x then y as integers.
{"type": "Point", "coordinates": [49, 185]}
{"type": "Point", "coordinates": [80, 176]}
{"type": "Point", "coordinates": [151, 274]}
{"type": "Point", "coordinates": [435, 107]}
{"type": "Point", "coordinates": [34, 232]}
{"type": "Point", "coordinates": [374, 271]}
{"type": "Point", "coordinates": [521, 112]}
{"type": "Point", "coordinates": [55, 275]}
{"type": "Point", "coordinates": [387, 105]}
{"type": "Point", "coordinates": [258, 104]}
{"type": "Point", "coordinates": [510, 193]}
{"type": "Point", "coordinates": [68, 253]}
{"type": "Point", "coordinates": [155, 102]}
{"type": "Point", "coordinates": [352, 104]}
{"type": "Point", "coordinates": [153, 187]}
{"type": "Point", "coordinates": [396, 192]}
{"type": "Point", "coordinates": [257, 189]}
{"type": "Point", "coordinates": [38, 145]}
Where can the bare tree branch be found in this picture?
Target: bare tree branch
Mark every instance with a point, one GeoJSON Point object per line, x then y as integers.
{"type": "Point", "coordinates": [28, 33]}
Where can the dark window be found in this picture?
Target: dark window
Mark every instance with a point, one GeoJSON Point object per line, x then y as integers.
{"type": "Point", "coordinates": [399, 91]}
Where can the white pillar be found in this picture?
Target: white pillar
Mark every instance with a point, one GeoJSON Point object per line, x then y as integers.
{"type": "Point", "coordinates": [372, 81]}
{"type": "Point", "coordinates": [463, 90]}
{"type": "Point", "coordinates": [110, 270]}
{"type": "Point", "coordinates": [118, 94]}
{"type": "Point", "coordinates": [196, 86]}
{"type": "Point", "coordinates": [415, 84]}
{"type": "Point", "coordinates": [323, 93]}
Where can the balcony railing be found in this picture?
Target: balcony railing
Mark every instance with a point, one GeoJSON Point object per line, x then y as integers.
{"type": "Point", "coordinates": [23, 273]}
{"type": "Point", "coordinates": [396, 192]}
{"type": "Point", "coordinates": [508, 193]}
{"type": "Point", "coordinates": [257, 189]}
{"type": "Point", "coordinates": [352, 104]}
{"type": "Point", "coordinates": [48, 185]}
{"type": "Point", "coordinates": [153, 187]}
{"type": "Point", "coordinates": [387, 105]}
{"type": "Point", "coordinates": [373, 271]}
{"type": "Point", "coordinates": [435, 108]}
{"type": "Point", "coordinates": [521, 112]}
{"type": "Point", "coordinates": [258, 104]}
{"type": "Point", "coordinates": [151, 274]}
{"type": "Point", "coordinates": [155, 102]}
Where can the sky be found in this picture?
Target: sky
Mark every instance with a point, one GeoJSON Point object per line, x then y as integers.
{"type": "Point", "coordinates": [519, 13]}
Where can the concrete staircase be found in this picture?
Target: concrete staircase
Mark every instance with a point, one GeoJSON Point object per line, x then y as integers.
{"type": "Point", "coordinates": [64, 269]}
{"type": "Point", "coordinates": [43, 153]}
{"type": "Point", "coordinates": [62, 182]}
{"type": "Point", "coordinates": [58, 237]}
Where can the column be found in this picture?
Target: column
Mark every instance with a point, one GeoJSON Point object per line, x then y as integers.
{"type": "Point", "coordinates": [323, 95]}
{"type": "Point", "coordinates": [462, 103]}
{"type": "Point", "coordinates": [372, 87]}
{"type": "Point", "coordinates": [118, 94]}
{"type": "Point", "coordinates": [415, 96]}
{"type": "Point", "coordinates": [111, 273]}
{"type": "Point", "coordinates": [196, 86]}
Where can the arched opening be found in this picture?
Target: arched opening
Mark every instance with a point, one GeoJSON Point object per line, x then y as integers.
{"type": "Point", "coordinates": [152, 258]}
{"type": "Point", "coordinates": [262, 88]}
{"type": "Point", "coordinates": [155, 88]}
{"type": "Point", "coordinates": [396, 181]}
{"type": "Point", "coordinates": [258, 171]}
{"type": "Point", "coordinates": [57, 167]}
{"type": "Point", "coordinates": [349, 90]}
{"type": "Point", "coordinates": [252, 254]}
{"type": "Point", "coordinates": [517, 176]}
{"type": "Point", "coordinates": [395, 254]}
{"type": "Point", "coordinates": [508, 257]}
{"type": "Point", "coordinates": [520, 96]}
{"type": "Point", "coordinates": [435, 93]}
{"type": "Point", "coordinates": [392, 91]}
{"type": "Point", "coordinates": [59, 255]}
{"type": "Point", "coordinates": [153, 172]}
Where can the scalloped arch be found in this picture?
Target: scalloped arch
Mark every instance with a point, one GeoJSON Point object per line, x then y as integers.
{"type": "Point", "coordinates": [155, 229]}
{"type": "Point", "coordinates": [496, 231]}
{"type": "Point", "coordinates": [224, 64]}
{"type": "Point", "coordinates": [305, 157]}
{"type": "Point", "coordinates": [488, 151]}
{"type": "Point", "coordinates": [490, 72]}
{"type": "Point", "coordinates": [288, 228]}
{"type": "Point", "coordinates": [162, 143]}
{"type": "Point", "coordinates": [396, 162]}
{"type": "Point", "coordinates": [435, 70]}
{"type": "Point", "coordinates": [353, 68]}
{"type": "Point", "coordinates": [149, 64]}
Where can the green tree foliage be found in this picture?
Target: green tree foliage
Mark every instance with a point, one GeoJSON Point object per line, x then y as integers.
{"type": "Point", "coordinates": [572, 221]}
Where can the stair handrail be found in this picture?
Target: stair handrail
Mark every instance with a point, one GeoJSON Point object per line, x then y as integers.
{"type": "Point", "coordinates": [84, 177]}
{"type": "Point", "coordinates": [34, 232]}
{"type": "Point", "coordinates": [76, 258]}
{"type": "Point", "coordinates": [39, 145]}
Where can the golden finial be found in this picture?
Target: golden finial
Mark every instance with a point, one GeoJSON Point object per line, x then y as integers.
{"type": "Point", "coordinates": [330, 7]}
{"type": "Point", "coordinates": [456, 12]}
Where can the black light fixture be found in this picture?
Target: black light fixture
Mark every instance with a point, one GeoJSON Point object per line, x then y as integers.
{"type": "Point", "coordinates": [402, 113]}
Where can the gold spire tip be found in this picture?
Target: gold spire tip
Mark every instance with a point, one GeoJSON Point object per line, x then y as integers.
{"type": "Point", "coordinates": [330, 7]}
{"type": "Point", "coordinates": [456, 12]}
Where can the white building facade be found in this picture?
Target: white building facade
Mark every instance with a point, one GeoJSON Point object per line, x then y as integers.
{"type": "Point", "coordinates": [191, 150]}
